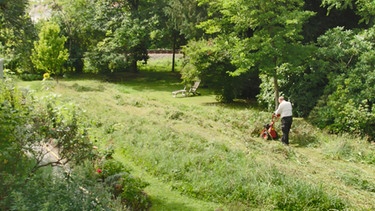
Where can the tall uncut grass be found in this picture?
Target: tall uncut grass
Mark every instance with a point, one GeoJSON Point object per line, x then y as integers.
{"type": "Point", "coordinates": [213, 153]}
{"type": "Point", "coordinates": [209, 168]}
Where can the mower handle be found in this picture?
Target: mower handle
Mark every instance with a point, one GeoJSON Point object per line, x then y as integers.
{"type": "Point", "coordinates": [275, 117]}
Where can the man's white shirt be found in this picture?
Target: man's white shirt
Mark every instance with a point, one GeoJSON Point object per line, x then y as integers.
{"type": "Point", "coordinates": [284, 109]}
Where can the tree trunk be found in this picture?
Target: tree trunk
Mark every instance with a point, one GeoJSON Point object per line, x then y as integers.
{"type": "Point", "coordinates": [174, 51]}
{"type": "Point", "coordinates": [276, 87]}
{"type": "Point", "coordinates": [134, 65]}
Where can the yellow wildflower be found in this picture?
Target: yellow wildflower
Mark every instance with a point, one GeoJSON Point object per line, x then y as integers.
{"type": "Point", "coordinates": [46, 76]}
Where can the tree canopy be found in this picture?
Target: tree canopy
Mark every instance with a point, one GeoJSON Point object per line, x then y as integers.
{"type": "Point", "coordinates": [49, 53]}
{"type": "Point", "coordinates": [16, 35]}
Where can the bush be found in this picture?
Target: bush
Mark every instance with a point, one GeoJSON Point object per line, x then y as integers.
{"type": "Point", "coordinates": [15, 165]}
{"type": "Point", "coordinates": [123, 185]}
{"type": "Point", "coordinates": [110, 167]}
{"type": "Point", "coordinates": [129, 190]}
{"type": "Point", "coordinates": [133, 194]}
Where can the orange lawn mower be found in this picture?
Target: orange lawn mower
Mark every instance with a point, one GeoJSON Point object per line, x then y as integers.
{"type": "Point", "coordinates": [269, 132]}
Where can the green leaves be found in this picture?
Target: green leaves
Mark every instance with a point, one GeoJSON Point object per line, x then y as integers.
{"type": "Point", "coordinates": [256, 36]}
{"type": "Point", "coordinates": [49, 53]}
{"type": "Point", "coordinates": [348, 59]}
{"type": "Point", "coordinates": [16, 33]}
{"type": "Point", "coordinates": [124, 35]}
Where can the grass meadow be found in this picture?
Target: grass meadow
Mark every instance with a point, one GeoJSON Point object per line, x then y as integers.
{"type": "Point", "coordinates": [198, 154]}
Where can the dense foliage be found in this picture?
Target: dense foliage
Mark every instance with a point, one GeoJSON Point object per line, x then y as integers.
{"type": "Point", "coordinates": [17, 34]}
{"type": "Point", "coordinates": [125, 37]}
{"type": "Point", "coordinates": [347, 102]}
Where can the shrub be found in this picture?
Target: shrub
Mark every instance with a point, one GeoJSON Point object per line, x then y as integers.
{"type": "Point", "coordinates": [129, 190]}
{"type": "Point", "coordinates": [49, 53]}
{"type": "Point", "coordinates": [347, 102]}
{"type": "Point", "coordinates": [123, 185]}
{"type": "Point", "coordinates": [15, 164]}
{"type": "Point", "coordinates": [111, 167]}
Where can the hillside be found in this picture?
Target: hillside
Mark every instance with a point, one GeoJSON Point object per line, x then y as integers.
{"type": "Point", "coordinates": [198, 154]}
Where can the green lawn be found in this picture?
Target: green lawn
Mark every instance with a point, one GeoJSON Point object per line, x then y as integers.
{"type": "Point", "coordinates": [198, 154]}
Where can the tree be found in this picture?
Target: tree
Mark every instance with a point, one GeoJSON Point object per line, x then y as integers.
{"type": "Point", "coordinates": [207, 61]}
{"type": "Point", "coordinates": [120, 50]}
{"type": "Point", "coordinates": [181, 20]}
{"type": "Point", "coordinates": [49, 53]}
{"type": "Point", "coordinates": [327, 18]}
{"type": "Point", "coordinates": [262, 36]}
{"type": "Point", "coordinates": [347, 57]}
{"type": "Point", "coordinates": [16, 35]}
{"type": "Point", "coordinates": [112, 36]}
{"type": "Point", "coordinates": [275, 46]}
{"type": "Point", "coordinates": [77, 22]}
{"type": "Point", "coordinates": [11, 13]}
{"type": "Point", "coordinates": [125, 31]}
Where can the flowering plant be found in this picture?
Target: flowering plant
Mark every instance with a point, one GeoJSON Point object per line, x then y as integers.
{"type": "Point", "coordinates": [46, 76]}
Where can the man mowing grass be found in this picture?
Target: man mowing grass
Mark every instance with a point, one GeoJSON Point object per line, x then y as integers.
{"type": "Point", "coordinates": [285, 112]}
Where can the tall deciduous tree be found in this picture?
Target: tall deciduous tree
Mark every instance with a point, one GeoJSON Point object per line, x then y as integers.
{"type": "Point", "coordinates": [276, 43]}
{"type": "Point", "coordinates": [182, 18]}
{"type": "Point", "coordinates": [260, 35]}
{"type": "Point", "coordinates": [16, 34]}
{"type": "Point", "coordinates": [125, 33]}
{"type": "Point", "coordinates": [49, 53]}
{"type": "Point", "coordinates": [77, 22]}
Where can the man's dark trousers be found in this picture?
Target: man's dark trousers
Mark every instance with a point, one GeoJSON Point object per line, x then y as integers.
{"type": "Point", "coordinates": [286, 124]}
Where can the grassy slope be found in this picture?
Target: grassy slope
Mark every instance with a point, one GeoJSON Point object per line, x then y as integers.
{"type": "Point", "coordinates": [145, 124]}
{"type": "Point", "coordinates": [116, 105]}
